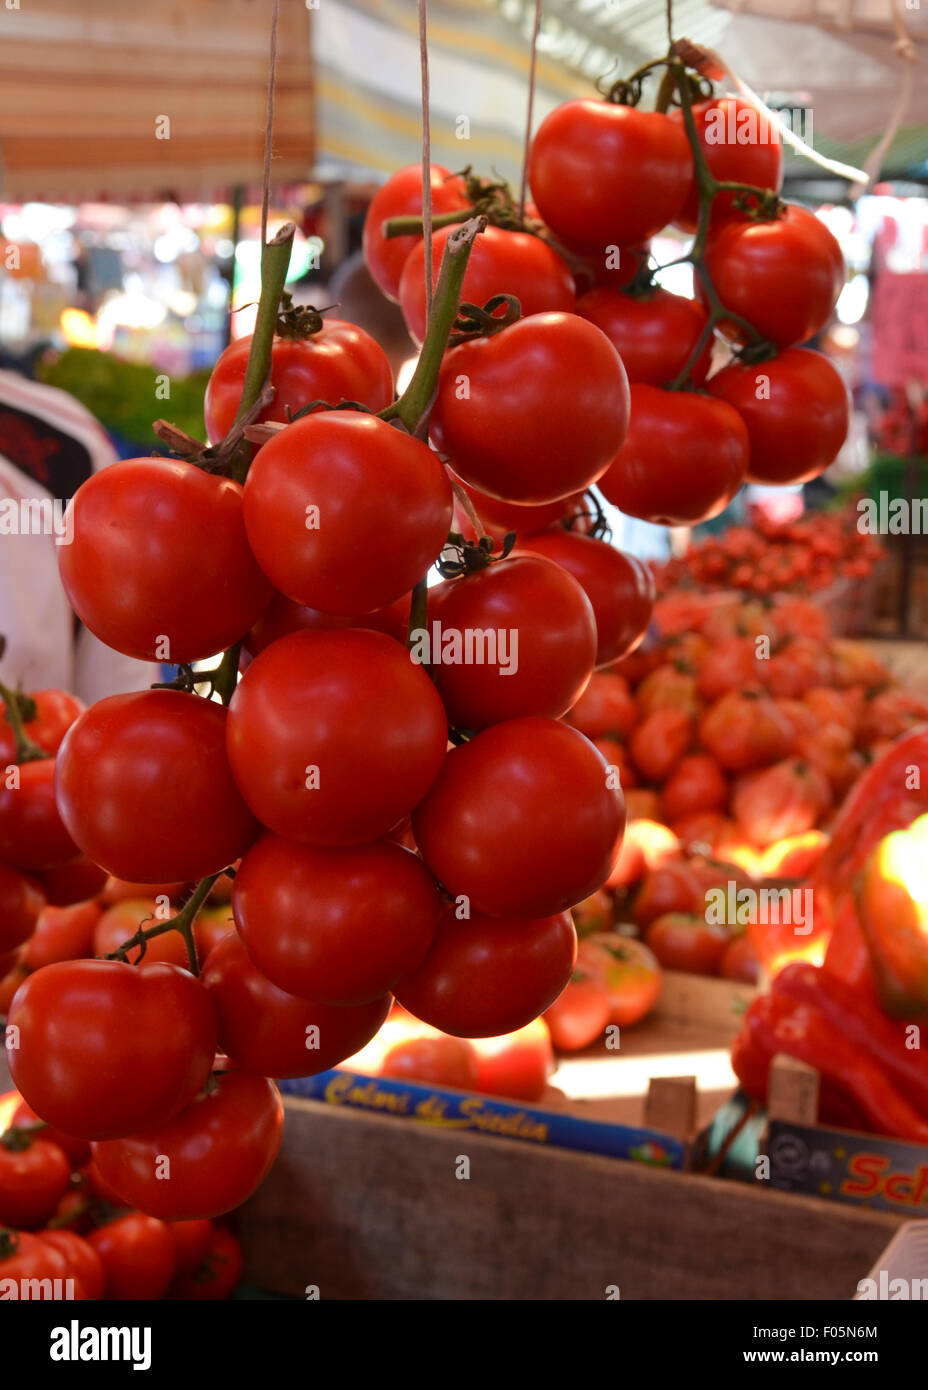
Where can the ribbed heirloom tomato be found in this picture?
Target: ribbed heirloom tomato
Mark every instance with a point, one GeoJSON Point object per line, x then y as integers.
{"type": "Point", "coordinates": [345, 513]}
{"type": "Point", "coordinates": [139, 571]}
{"type": "Point", "coordinates": [535, 412]}
{"type": "Point", "coordinates": [654, 334]}
{"type": "Point", "coordinates": [339, 363]}
{"type": "Point", "coordinates": [401, 196]}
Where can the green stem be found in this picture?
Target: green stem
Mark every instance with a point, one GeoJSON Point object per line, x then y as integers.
{"type": "Point", "coordinates": [27, 750]}
{"type": "Point", "coordinates": [416, 401]}
{"type": "Point", "coordinates": [418, 608]}
{"type": "Point", "coordinates": [226, 674]}
{"type": "Point", "coordinates": [182, 923]}
{"type": "Point", "coordinates": [412, 225]}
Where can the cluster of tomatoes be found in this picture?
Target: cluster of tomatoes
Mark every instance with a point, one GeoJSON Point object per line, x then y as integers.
{"type": "Point", "coordinates": [807, 554]}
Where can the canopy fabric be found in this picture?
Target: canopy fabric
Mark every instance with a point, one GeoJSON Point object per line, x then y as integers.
{"type": "Point", "coordinates": [83, 86]}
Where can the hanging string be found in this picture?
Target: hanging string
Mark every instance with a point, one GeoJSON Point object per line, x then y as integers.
{"type": "Point", "coordinates": [426, 152]}
{"type": "Point", "coordinates": [269, 122]}
{"type": "Point", "coordinates": [531, 104]}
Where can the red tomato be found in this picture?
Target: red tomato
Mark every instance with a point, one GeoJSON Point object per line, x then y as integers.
{"type": "Point", "coordinates": [543, 634]}
{"type": "Point", "coordinates": [62, 933]}
{"type": "Point", "coordinates": [499, 518]}
{"type": "Point", "coordinates": [620, 587]}
{"type": "Point", "coordinates": [684, 458]}
{"type": "Point", "coordinates": [339, 363]}
{"type": "Point", "coordinates": [123, 920]}
{"type": "Point", "coordinates": [660, 741]}
{"type": "Point", "coordinates": [103, 1047]}
{"type": "Point", "coordinates": [522, 821]}
{"type": "Point", "coordinates": [606, 707]}
{"type": "Point", "coordinates": [81, 1258]}
{"type": "Point", "coordinates": [401, 196]}
{"type": "Point", "coordinates": [796, 409]}
{"type": "Point", "coordinates": [489, 975]}
{"type": "Point", "coordinates": [117, 890]}
{"type": "Point", "coordinates": [741, 145]}
{"type": "Point", "coordinates": [21, 903]}
{"type": "Point", "coordinates": [696, 784]}
{"type": "Point", "coordinates": [30, 1262]}
{"type": "Point", "coordinates": [32, 833]}
{"type": "Point", "coordinates": [690, 944]}
{"type": "Point", "coordinates": [669, 886]}
{"type": "Point", "coordinates": [666, 688]}
{"type": "Point", "coordinates": [345, 513]}
{"type": "Point", "coordinates": [578, 1015]}
{"type": "Point", "coordinates": [178, 598]}
{"type": "Point", "coordinates": [654, 335]}
{"type": "Point", "coordinates": [73, 883]}
{"type": "Point", "coordinates": [594, 914]}
{"type": "Point", "coordinates": [137, 1254]}
{"type": "Point", "coordinates": [434, 1060]}
{"type": "Point", "coordinates": [282, 616]}
{"type": "Point", "coordinates": [630, 971]}
{"type": "Point", "coordinates": [264, 1029]}
{"type": "Point", "coordinates": [10, 982]}
{"type": "Point", "coordinates": [212, 925]}
{"type": "Point", "coordinates": [24, 1117]}
{"type": "Point", "coordinates": [604, 174]}
{"type": "Point", "coordinates": [305, 917]}
{"type": "Point", "coordinates": [785, 799]}
{"type": "Point", "coordinates": [191, 1243]}
{"type": "Point", "coordinates": [740, 961]}
{"type": "Point", "coordinates": [220, 1149]}
{"type": "Point", "coordinates": [501, 262]}
{"type": "Point", "coordinates": [646, 843]}
{"type": "Point", "coordinates": [55, 712]}
{"type": "Point", "coordinates": [745, 730]}
{"type": "Point", "coordinates": [515, 1065]}
{"type": "Point", "coordinates": [732, 664]}
{"type": "Point", "coordinates": [334, 736]}
{"type": "Point", "coordinates": [544, 411]}
{"type": "Point", "coordinates": [144, 786]}
{"type": "Point", "coordinates": [217, 1274]}
{"type": "Point", "coordinates": [34, 1174]}
{"type": "Point", "coordinates": [783, 276]}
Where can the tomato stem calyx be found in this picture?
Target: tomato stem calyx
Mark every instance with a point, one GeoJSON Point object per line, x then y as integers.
{"type": "Point", "coordinates": [20, 708]}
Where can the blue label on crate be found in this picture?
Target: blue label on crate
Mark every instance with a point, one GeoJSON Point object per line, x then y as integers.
{"type": "Point", "coordinates": [864, 1170]}
{"type": "Point", "coordinates": [488, 1115]}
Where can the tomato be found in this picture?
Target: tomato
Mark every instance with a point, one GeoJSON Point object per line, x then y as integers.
{"type": "Point", "coordinates": [532, 635]}
{"type": "Point", "coordinates": [593, 913]}
{"type": "Point", "coordinates": [620, 587]}
{"type": "Point", "coordinates": [521, 820]}
{"type": "Point", "coordinates": [188, 584]}
{"type": "Point", "coordinates": [305, 917]}
{"type": "Point", "coordinates": [796, 856]}
{"type": "Point", "coordinates": [137, 1254]}
{"type": "Point", "coordinates": [24, 1117]}
{"type": "Point", "coordinates": [798, 665]}
{"type": "Point", "coordinates": [345, 513]}
{"type": "Point", "coordinates": [515, 1065]}
{"type": "Point", "coordinates": [740, 961]}
{"type": "Point", "coordinates": [10, 982]}
{"type": "Point", "coordinates": [98, 1048]}
{"type": "Point", "coordinates": [122, 921]}
{"type": "Point", "coordinates": [604, 174]}
{"type": "Point", "coordinates": [891, 713]}
{"type": "Point", "coordinates": [660, 741]}
{"type": "Point", "coordinates": [654, 335]}
{"type": "Point", "coordinates": [796, 409]}
{"type": "Point", "coordinates": [783, 276]}
{"type": "Point", "coordinates": [578, 1015]}
{"type": "Point", "coordinates": [785, 799]}
{"type": "Point", "coordinates": [144, 786]}
{"type": "Point", "coordinates": [483, 976]}
{"type": "Point", "coordinates": [220, 1148]}
{"type": "Point", "coordinates": [740, 145]}
{"type": "Point", "coordinates": [630, 971]}
{"type": "Point", "coordinates": [606, 707]}
{"type": "Point", "coordinates": [732, 664]}
{"type": "Point", "coordinates": [34, 1174]}
{"type": "Point", "coordinates": [501, 262]}
{"type": "Point", "coordinates": [744, 730]}
{"type": "Point", "coordinates": [544, 410]}
{"type": "Point", "coordinates": [700, 831]}
{"type": "Point", "coordinates": [32, 833]}
{"type": "Point", "coordinates": [33, 1266]}
{"type": "Point", "coordinates": [82, 1259]}
{"type": "Point", "coordinates": [21, 902]}
{"type": "Point", "coordinates": [74, 882]}
{"type": "Point", "coordinates": [690, 944]}
{"type": "Point", "coordinates": [696, 784]}
{"type": "Point", "coordinates": [212, 925]}
{"type": "Point", "coordinates": [282, 616]}
{"type": "Point", "coordinates": [266, 1030]}
{"type": "Point", "coordinates": [499, 518]}
{"type": "Point", "coordinates": [646, 843]}
{"type": "Point", "coordinates": [62, 933]}
{"type": "Point", "coordinates": [117, 890]}
{"type": "Point", "coordinates": [55, 712]}
{"type": "Point", "coordinates": [434, 1060]}
{"type": "Point", "coordinates": [191, 1243]}
{"type": "Point", "coordinates": [401, 196]}
{"type": "Point", "coordinates": [218, 1273]}
{"type": "Point", "coordinates": [666, 688]}
{"type": "Point", "coordinates": [339, 363]}
{"type": "Point", "coordinates": [669, 886]}
{"type": "Point", "coordinates": [684, 458]}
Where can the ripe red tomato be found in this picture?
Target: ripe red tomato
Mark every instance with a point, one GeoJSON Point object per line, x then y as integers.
{"type": "Point", "coordinates": [730, 664]}
{"type": "Point", "coordinates": [783, 276]}
{"type": "Point", "coordinates": [81, 1258]}
{"type": "Point", "coordinates": [501, 262]}
{"type": "Point", "coordinates": [191, 1242]}
{"type": "Point", "coordinates": [744, 730]}
{"type": "Point", "coordinates": [489, 975]}
{"type": "Point", "coordinates": [620, 587]}
{"type": "Point", "coordinates": [339, 363]}
{"type": "Point", "coordinates": [606, 707]}
{"type": "Point", "coordinates": [282, 616]}
{"type": "Point", "coordinates": [785, 799]}
{"type": "Point", "coordinates": [21, 902]}
{"type": "Point", "coordinates": [522, 821]}
{"type": "Point", "coordinates": [305, 917]}
{"type": "Point", "coordinates": [543, 635]}
{"type": "Point", "coordinates": [334, 736]}
{"type": "Point", "coordinates": [34, 1174]}
{"type": "Point", "coordinates": [697, 784]}
{"type": "Point", "coordinates": [217, 1274]}
{"type": "Point", "coordinates": [654, 335]}
{"type": "Point", "coordinates": [265, 1030]}
{"type": "Point", "coordinates": [535, 412]}
{"type": "Point", "coordinates": [32, 833]}
{"type": "Point", "coordinates": [345, 513]}
{"type": "Point", "coordinates": [630, 971]}
{"type": "Point", "coordinates": [188, 585]}
{"type": "Point", "coordinates": [690, 944]}
{"type": "Point", "coordinates": [740, 961]}
{"type": "Point", "coordinates": [24, 1117]}
{"type": "Point", "coordinates": [796, 410]}
{"type": "Point", "coordinates": [603, 174]}
{"type": "Point", "coordinates": [62, 933]}
{"type": "Point", "coordinates": [144, 786]}
{"type": "Point", "coordinates": [660, 741]}
{"type": "Point", "coordinates": [122, 921]}
{"type": "Point", "coordinates": [433, 1060]}
{"type": "Point", "coordinates": [578, 1016]}
{"type": "Point", "coordinates": [56, 711]}
{"type": "Point", "coordinates": [684, 458]}
{"type": "Point", "coordinates": [741, 145]}
{"type": "Point", "coordinates": [98, 1048]}
{"type": "Point", "coordinates": [220, 1148]}
{"type": "Point", "coordinates": [137, 1254]}
{"type": "Point", "coordinates": [499, 518]}
{"type": "Point", "coordinates": [515, 1065]}
{"type": "Point", "coordinates": [401, 196]}
{"type": "Point", "coordinates": [74, 882]}
{"type": "Point", "coordinates": [29, 1262]}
